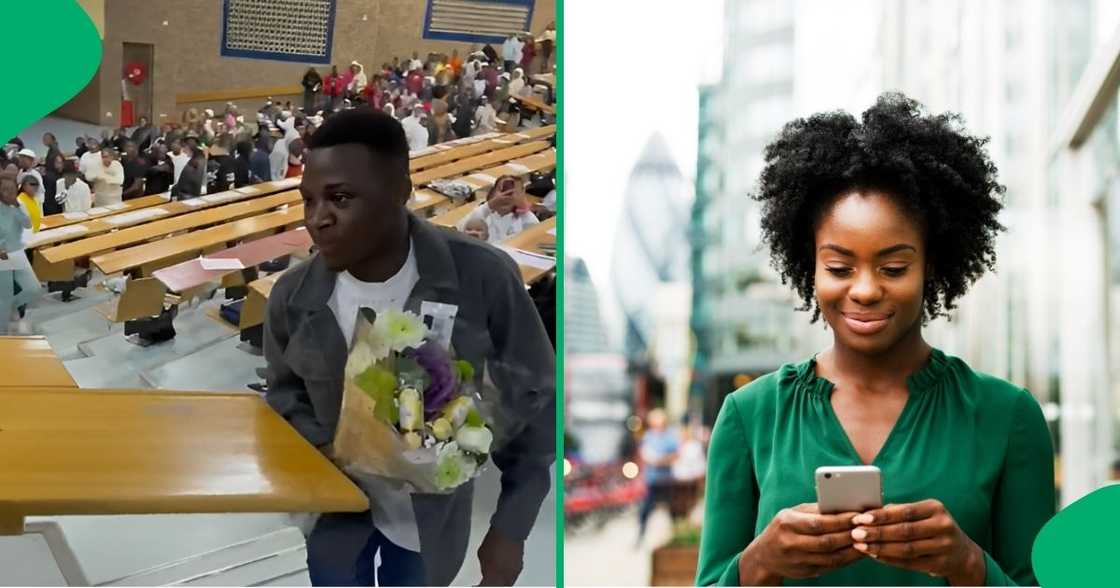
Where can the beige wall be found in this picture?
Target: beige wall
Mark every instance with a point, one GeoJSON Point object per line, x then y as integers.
{"type": "Point", "coordinates": [187, 50]}
{"type": "Point", "coordinates": [87, 103]}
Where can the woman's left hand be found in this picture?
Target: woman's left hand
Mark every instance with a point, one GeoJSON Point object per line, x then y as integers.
{"type": "Point", "coordinates": [923, 537]}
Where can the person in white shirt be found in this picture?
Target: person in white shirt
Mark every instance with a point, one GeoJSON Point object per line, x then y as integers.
{"type": "Point", "coordinates": [358, 82]}
{"type": "Point", "coordinates": [279, 157]}
{"type": "Point", "coordinates": [71, 192]}
{"type": "Point", "coordinates": [485, 118]}
{"type": "Point", "coordinates": [107, 180]}
{"type": "Point", "coordinates": [26, 159]}
{"type": "Point", "coordinates": [415, 62]}
{"type": "Point", "coordinates": [414, 130]}
{"type": "Point", "coordinates": [511, 48]}
{"type": "Point", "coordinates": [517, 84]}
{"type": "Point", "coordinates": [505, 212]}
{"type": "Point", "coordinates": [90, 162]}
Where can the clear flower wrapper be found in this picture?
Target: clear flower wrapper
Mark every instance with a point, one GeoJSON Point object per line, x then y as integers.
{"type": "Point", "coordinates": [410, 411]}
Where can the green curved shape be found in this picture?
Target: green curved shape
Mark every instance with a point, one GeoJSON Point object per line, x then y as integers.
{"type": "Point", "coordinates": [71, 52]}
{"type": "Point", "coordinates": [1080, 545]}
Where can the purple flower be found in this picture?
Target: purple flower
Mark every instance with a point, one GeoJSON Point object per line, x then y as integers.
{"type": "Point", "coordinates": [437, 363]}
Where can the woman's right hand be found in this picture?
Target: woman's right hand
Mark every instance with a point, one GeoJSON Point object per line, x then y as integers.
{"type": "Point", "coordinates": [798, 543]}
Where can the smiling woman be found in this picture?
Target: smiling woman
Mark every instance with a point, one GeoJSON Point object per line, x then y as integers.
{"type": "Point", "coordinates": [880, 225]}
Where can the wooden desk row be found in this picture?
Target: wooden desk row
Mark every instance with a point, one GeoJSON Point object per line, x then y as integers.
{"type": "Point", "coordinates": [477, 147]}
{"type": "Point", "coordinates": [477, 162]}
{"type": "Point", "coordinates": [164, 209]}
{"type": "Point", "coordinates": [63, 219]}
{"type": "Point", "coordinates": [30, 361]}
{"type": "Point", "coordinates": [146, 258]}
{"type": "Point", "coordinates": [108, 452]}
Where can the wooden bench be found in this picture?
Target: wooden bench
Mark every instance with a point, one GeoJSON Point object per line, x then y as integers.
{"type": "Point", "coordinates": [30, 362]}
{"type": "Point", "coordinates": [114, 452]}
{"type": "Point", "coordinates": [452, 217]}
{"type": "Point", "coordinates": [535, 103]}
{"type": "Point", "coordinates": [477, 162]}
{"type": "Point", "coordinates": [62, 219]}
{"type": "Point", "coordinates": [542, 161]}
{"type": "Point", "coordinates": [121, 220]}
{"type": "Point", "coordinates": [536, 265]}
{"type": "Point", "coordinates": [478, 147]}
{"type": "Point", "coordinates": [256, 302]}
{"type": "Point", "coordinates": [190, 274]}
{"type": "Point", "coordinates": [142, 260]}
{"type": "Point", "coordinates": [57, 263]}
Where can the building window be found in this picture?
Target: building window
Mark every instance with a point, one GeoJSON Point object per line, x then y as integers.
{"type": "Point", "coordinates": [476, 21]}
{"type": "Point", "coordinates": [297, 30]}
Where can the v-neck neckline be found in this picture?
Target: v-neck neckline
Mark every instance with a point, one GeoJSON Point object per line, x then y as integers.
{"type": "Point", "coordinates": [916, 383]}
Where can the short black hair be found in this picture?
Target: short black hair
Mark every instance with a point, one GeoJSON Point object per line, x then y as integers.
{"type": "Point", "coordinates": [376, 130]}
{"type": "Point", "coordinates": [940, 175]}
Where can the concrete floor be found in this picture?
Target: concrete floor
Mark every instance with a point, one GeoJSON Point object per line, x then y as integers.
{"type": "Point", "coordinates": [205, 356]}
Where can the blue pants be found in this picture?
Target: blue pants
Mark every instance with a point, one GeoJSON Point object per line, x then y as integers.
{"type": "Point", "coordinates": [399, 566]}
{"type": "Point", "coordinates": [29, 290]}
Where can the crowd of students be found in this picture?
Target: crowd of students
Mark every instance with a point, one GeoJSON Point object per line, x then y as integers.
{"type": "Point", "coordinates": [436, 100]}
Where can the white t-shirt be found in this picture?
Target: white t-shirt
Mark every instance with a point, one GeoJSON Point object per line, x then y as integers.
{"type": "Point", "coordinates": [90, 164]}
{"type": "Point", "coordinates": [179, 162]}
{"type": "Point", "coordinates": [75, 199]}
{"type": "Point", "coordinates": [415, 133]}
{"type": "Point", "coordinates": [500, 227]}
{"type": "Point", "coordinates": [391, 506]}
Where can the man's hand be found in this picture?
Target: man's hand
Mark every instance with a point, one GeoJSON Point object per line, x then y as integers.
{"type": "Point", "coordinates": [500, 558]}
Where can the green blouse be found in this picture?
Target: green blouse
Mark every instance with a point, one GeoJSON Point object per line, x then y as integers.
{"type": "Point", "coordinates": [976, 443]}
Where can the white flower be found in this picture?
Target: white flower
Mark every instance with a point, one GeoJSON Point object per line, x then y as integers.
{"type": "Point", "coordinates": [453, 468]}
{"type": "Point", "coordinates": [400, 330]}
{"type": "Point", "coordinates": [475, 439]}
{"type": "Point", "coordinates": [364, 355]}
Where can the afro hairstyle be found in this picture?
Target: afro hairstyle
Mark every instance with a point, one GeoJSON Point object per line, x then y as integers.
{"type": "Point", "coordinates": [936, 171]}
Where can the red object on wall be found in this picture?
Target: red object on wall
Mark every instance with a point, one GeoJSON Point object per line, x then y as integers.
{"type": "Point", "coordinates": [135, 73]}
{"type": "Point", "coordinates": [126, 113]}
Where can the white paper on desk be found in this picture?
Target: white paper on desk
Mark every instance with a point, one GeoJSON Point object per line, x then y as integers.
{"type": "Point", "coordinates": [422, 152]}
{"type": "Point", "coordinates": [503, 141]}
{"type": "Point", "coordinates": [137, 216]}
{"type": "Point", "coordinates": [43, 236]}
{"type": "Point", "coordinates": [74, 215]}
{"type": "Point", "coordinates": [118, 206]}
{"type": "Point", "coordinates": [523, 136]}
{"type": "Point", "coordinates": [533, 260]}
{"type": "Point", "coordinates": [442, 147]}
{"type": "Point", "coordinates": [552, 231]}
{"type": "Point", "coordinates": [97, 210]}
{"type": "Point", "coordinates": [422, 197]}
{"type": "Point", "coordinates": [288, 182]}
{"type": "Point", "coordinates": [221, 263]}
{"type": "Point", "coordinates": [250, 190]}
{"type": "Point", "coordinates": [209, 198]}
{"type": "Point", "coordinates": [192, 202]}
{"type": "Point", "coordinates": [517, 168]}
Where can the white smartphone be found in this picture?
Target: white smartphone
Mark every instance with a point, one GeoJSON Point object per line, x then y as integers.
{"type": "Point", "coordinates": [848, 488]}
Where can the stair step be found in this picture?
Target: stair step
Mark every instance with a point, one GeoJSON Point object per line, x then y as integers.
{"type": "Point", "coordinates": [260, 559]}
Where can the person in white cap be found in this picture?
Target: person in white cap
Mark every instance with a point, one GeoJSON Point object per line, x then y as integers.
{"type": "Point", "coordinates": [517, 84]}
{"type": "Point", "coordinates": [26, 162]}
{"type": "Point", "coordinates": [358, 80]}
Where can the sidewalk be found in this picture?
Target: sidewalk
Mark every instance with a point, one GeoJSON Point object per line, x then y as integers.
{"type": "Point", "coordinates": [608, 556]}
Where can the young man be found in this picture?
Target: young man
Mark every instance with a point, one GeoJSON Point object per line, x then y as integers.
{"type": "Point", "coordinates": [108, 179]}
{"type": "Point", "coordinates": [374, 253]}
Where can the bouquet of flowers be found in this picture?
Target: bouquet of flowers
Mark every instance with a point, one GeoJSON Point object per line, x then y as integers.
{"type": "Point", "coordinates": [409, 409]}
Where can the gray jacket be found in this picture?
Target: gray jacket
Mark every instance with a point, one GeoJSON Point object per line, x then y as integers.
{"type": "Point", "coordinates": [497, 327]}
